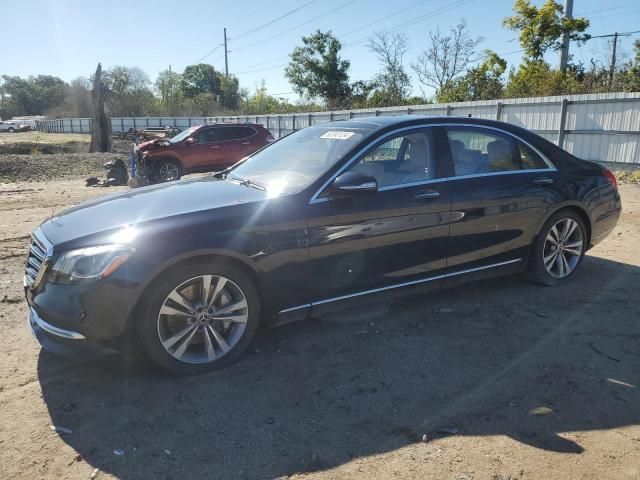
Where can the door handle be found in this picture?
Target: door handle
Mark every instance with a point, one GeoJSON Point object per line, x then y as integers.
{"type": "Point", "coordinates": [427, 195]}
{"type": "Point", "coordinates": [246, 143]}
{"type": "Point", "coordinates": [214, 147]}
{"type": "Point", "coordinates": [543, 181]}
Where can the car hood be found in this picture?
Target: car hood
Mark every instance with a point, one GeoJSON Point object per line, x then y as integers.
{"type": "Point", "coordinates": [146, 204]}
{"type": "Point", "coordinates": [153, 144]}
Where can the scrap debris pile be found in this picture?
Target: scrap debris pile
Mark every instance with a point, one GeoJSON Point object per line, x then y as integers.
{"type": "Point", "coordinates": [117, 174]}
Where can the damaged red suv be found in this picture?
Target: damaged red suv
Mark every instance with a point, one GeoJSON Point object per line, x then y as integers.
{"type": "Point", "coordinates": [202, 148]}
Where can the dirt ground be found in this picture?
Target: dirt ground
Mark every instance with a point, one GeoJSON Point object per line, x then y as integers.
{"type": "Point", "coordinates": [530, 382]}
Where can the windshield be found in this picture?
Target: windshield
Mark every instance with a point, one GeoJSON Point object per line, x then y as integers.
{"type": "Point", "coordinates": [294, 162]}
{"type": "Point", "coordinates": [182, 135]}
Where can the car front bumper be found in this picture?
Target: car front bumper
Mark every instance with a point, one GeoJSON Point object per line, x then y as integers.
{"type": "Point", "coordinates": [64, 342]}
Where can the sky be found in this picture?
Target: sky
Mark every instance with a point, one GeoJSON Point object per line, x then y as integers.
{"type": "Point", "coordinates": [67, 38]}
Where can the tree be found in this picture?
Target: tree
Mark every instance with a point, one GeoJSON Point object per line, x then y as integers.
{"type": "Point", "coordinates": [483, 82]}
{"type": "Point", "coordinates": [541, 29]}
{"type": "Point", "coordinates": [229, 92]}
{"type": "Point", "coordinates": [200, 78]}
{"type": "Point", "coordinates": [316, 69]}
{"type": "Point", "coordinates": [392, 82]}
{"type": "Point", "coordinates": [535, 78]}
{"type": "Point", "coordinates": [128, 90]}
{"type": "Point", "coordinates": [360, 92]}
{"type": "Point", "coordinates": [31, 96]}
{"type": "Point", "coordinates": [168, 86]}
{"type": "Point", "coordinates": [629, 76]}
{"type": "Point", "coordinates": [447, 57]}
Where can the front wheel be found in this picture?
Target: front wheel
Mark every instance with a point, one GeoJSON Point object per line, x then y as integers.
{"type": "Point", "coordinates": [11, 130]}
{"type": "Point", "coordinates": [199, 317]}
{"type": "Point", "coordinates": [167, 170]}
{"type": "Point", "coordinates": [559, 249]}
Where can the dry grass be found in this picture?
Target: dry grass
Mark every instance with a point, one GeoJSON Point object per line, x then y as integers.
{"type": "Point", "coordinates": [43, 138]}
{"type": "Point", "coordinates": [628, 176]}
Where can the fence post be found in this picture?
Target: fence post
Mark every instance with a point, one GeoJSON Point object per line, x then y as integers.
{"type": "Point", "coordinates": [350, 113]}
{"type": "Point", "coordinates": [279, 128]}
{"type": "Point", "coordinates": [409, 110]}
{"type": "Point", "coordinates": [293, 122]}
{"type": "Point", "coordinates": [449, 110]}
{"type": "Point", "coordinates": [331, 116]}
{"type": "Point", "coordinates": [121, 124]}
{"type": "Point", "coordinates": [147, 121]}
{"type": "Point", "coordinates": [563, 121]}
{"type": "Point", "coordinates": [377, 113]}
{"type": "Point", "coordinates": [498, 110]}
{"type": "Point", "coordinates": [309, 121]}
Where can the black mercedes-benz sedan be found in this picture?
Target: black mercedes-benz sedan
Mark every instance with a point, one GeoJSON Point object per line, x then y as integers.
{"type": "Point", "coordinates": [328, 214]}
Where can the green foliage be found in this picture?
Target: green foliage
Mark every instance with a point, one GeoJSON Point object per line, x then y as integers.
{"type": "Point", "coordinates": [483, 82]}
{"type": "Point", "coordinates": [170, 95]}
{"type": "Point", "coordinates": [535, 78]}
{"type": "Point", "coordinates": [316, 69]}
{"type": "Point", "coordinates": [30, 96]}
{"type": "Point", "coordinates": [128, 92]}
{"type": "Point", "coordinates": [541, 29]}
{"type": "Point", "coordinates": [200, 78]}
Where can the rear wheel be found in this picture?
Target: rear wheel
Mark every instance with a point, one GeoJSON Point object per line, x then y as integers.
{"type": "Point", "coordinates": [11, 130]}
{"type": "Point", "coordinates": [167, 170]}
{"type": "Point", "coordinates": [200, 317]}
{"type": "Point", "coordinates": [559, 249]}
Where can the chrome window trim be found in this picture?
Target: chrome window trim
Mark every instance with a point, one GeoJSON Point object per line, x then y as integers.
{"type": "Point", "coordinates": [550, 166]}
{"type": "Point", "coordinates": [400, 285]}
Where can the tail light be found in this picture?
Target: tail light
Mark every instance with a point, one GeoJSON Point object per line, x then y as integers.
{"type": "Point", "coordinates": [611, 178]}
{"type": "Point", "coordinates": [270, 138]}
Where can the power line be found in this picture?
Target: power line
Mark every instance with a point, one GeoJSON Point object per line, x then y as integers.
{"type": "Point", "coordinates": [384, 18]}
{"type": "Point", "coordinates": [271, 22]}
{"type": "Point", "coordinates": [413, 21]}
{"type": "Point", "coordinates": [294, 28]}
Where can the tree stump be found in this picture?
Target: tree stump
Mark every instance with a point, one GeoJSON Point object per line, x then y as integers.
{"type": "Point", "coordinates": [101, 124]}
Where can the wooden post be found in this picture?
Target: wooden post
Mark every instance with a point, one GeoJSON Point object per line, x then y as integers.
{"type": "Point", "coordinates": [498, 111]}
{"type": "Point", "coordinates": [449, 110]}
{"type": "Point", "coordinates": [101, 124]}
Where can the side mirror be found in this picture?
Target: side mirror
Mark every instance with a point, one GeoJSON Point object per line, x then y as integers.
{"type": "Point", "coordinates": [191, 141]}
{"type": "Point", "coordinates": [354, 182]}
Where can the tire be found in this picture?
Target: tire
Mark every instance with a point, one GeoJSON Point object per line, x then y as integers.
{"type": "Point", "coordinates": [11, 130]}
{"type": "Point", "coordinates": [186, 343]}
{"type": "Point", "coordinates": [554, 262]}
{"type": "Point", "coordinates": [167, 170]}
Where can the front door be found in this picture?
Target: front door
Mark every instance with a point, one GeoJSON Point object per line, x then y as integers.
{"type": "Point", "coordinates": [365, 241]}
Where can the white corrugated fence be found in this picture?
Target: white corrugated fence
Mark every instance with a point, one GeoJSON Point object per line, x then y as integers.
{"type": "Point", "coordinates": [602, 127]}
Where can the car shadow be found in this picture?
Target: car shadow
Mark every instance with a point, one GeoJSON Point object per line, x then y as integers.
{"type": "Point", "coordinates": [498, 357]}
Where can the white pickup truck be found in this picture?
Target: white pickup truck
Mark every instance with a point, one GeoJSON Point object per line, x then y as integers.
{"type": "Point", "coordinates": [10, 126]}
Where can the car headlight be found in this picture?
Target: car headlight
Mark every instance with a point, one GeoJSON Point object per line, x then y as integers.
{"type": "Point", "coordinates": [89, 263]}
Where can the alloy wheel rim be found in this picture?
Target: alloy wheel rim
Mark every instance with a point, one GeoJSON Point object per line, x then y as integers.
{"type": "Point", "coordinates": [202, 319]}
{"type": "Point", "coordinates": [563, 248]}
{"type": "Point", "coordinates": [168, 172]}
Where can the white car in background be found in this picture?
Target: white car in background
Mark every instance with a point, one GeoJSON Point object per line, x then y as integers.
{"type": "Point", "coordinates": [9, 126]}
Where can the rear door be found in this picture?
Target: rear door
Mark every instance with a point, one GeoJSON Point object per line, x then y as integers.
{"type": "Point", "coordinates": [386, 238]}
{"type": "Point", "coordinates": [501, 189]}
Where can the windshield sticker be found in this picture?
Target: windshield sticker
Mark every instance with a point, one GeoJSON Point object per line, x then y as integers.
{"type": "Point", "coordinates": [337, 135]}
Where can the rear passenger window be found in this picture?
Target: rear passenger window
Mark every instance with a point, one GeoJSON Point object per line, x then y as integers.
{"type": "Point", "coordinates": [237, 133]}
{"type": "Point", "coordinates": [530, 159]}
{"type": "Point", "coordinates": [475, 151]}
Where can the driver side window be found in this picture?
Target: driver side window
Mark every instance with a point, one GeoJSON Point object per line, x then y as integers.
{"type": "Point", "coordinates": [403, 159]}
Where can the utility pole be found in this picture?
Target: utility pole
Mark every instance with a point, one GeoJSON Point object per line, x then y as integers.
{"type": "Point", "coordinates": [564, 52]}
{"type": "Point", "coordinates": [226, 63]}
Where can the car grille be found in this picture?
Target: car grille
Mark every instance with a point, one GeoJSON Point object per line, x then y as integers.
{"type": "Point", "coordinates": [35, 260]}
